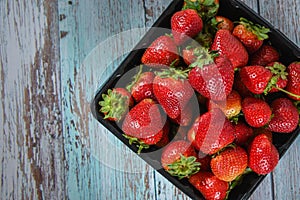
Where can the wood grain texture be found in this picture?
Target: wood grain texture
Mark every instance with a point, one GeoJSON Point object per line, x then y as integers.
{"type": "Point", "coordinates": [32, 153]}
{"type": "Point", "coordinates": [98, 165]}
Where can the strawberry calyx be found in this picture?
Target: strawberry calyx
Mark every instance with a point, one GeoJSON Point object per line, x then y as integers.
{"type": "Point", "coordinates": [235, 118]}
{"type": "Point", "coordinates": [139, 143]}
{"type": "Point", "coordinates": [135, 78]}
{"type": "Point", "coordinates": [175, 73]}
{"type": "Point", "coordinates": [205, 8]}
{"type": "Point", "coordinates": [260, 31]}
{"type": "Point", "coordinates": [204, 57]}
{"type": "Point", "coordinates": [184, 167]}
{"type": "Point", "coordinates": [279, 71]}
{"type": "Point", "coordinates": [205, 37]}
{"type": "Point", "coordinates": [113, 105]}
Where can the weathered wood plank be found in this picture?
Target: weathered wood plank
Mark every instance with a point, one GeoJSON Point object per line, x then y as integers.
{"type": "Point", "coordinates": [286, 176]}
{"type": "Point", "coordinates": [284, 15]}
{"type": "Point", "coordinates": [99, 166]}
{"type": "Point", "coordinates": [31, 144]}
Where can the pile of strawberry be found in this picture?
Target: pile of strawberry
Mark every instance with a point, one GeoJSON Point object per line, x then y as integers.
{"type": "Point", "coordinates": [230, 69]}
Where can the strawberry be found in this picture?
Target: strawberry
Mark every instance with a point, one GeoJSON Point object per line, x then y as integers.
{"type": "Point", "coordinates": [262, 130]}
{"type": "Point", "coordinates": [211, 76]}
{"type": "Point", "coordinates": [285, 118]}
{"type": "Point", "coordinates": [240, 87]}
{"type": "Point", "coordinates": [209, 185]}
{"type": "Point", "coordinates": [229, 164]}
{"type": "Point", "coordinates": [266, 54]}
{"type": "Point", "coordinates": [250, 34]}
{"type": "Point", "coordinates": [263, 155]}
{"type": "Point", "coordinates": [142, 85]}
{"type": "Point", "coordinates": [213, 132]}
{"type": "Point", "coordinates": [185, 24]}
{"type": "Point", "coordinates": [115, 104]}
{"type": "Point", "coordinates": [224, 23]}
{"type": "Point", "coordinates": [186, 116]}
{"type": "Point", "coordinates": [293, 85]}
{"type": "Point", "coordinates": [188, 55]}
{"type": "Point", "coordinates": [255, 78]}
{"type": "Point", "coordinates": [144, 124]}
{"type": "Point", "coordinates": [165, 137]}
{"type": "Point", "coordinates": [180, 159]}
{"type": "Point", "coordinates": [227, 44]}
{"type": "Point", "coordinates": [161, 53]}
{"type": "Point", "coordinates": [243, 133]}
{"type": "Point", "coordinates": [231, 107]}
{"type": "Point", "coordinates": [172, 90]}
{"type": "Point", "coordinates": [257, 112]}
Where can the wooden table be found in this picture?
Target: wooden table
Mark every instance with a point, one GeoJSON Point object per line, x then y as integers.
{"type": "Point", "coordinates": [51, 146]}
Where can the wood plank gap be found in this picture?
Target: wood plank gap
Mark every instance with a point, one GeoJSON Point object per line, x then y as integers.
{"type": "Point", "coordinates": [154, 182]}
{"type": "Point", "coordinates": [272, 186]}
{"type": "Point", "coordinates": [145, 19]}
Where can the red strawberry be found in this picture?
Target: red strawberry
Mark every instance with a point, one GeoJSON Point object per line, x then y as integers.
{"type": "Point", "coordinates": [266, 54]}
{"type": "Point", "coordinates": [240, 87]}
{"type": "Point", "coordinates": [188, 55]}
{"type": "Point", "coordinates": [293, 85]}
{"type": "Point", "coordinates": [227, 44]}
{"type": "Point", "coordinates": [179, 159]}
{"type": "Point", "coordinates": [115, 104]}
{"type": "Point", "coordinates": [144, 122]}
{"type": "Point", "coordinates": [243, 133]}
{"type": "Point", "coordinates": [224, 23]}
{"type": "Point", "coordinates": [286, 116]}
{"type": "Point", "coordinates": [212, 77]}
{"type": "Point", "coordinates": [229, 164]}
{"type": "Point", "coordinates": [142, 85]}
{"type": "Point", "coordinates": [161, 53]}
{"type": "Point", "coordinates": [213, 132]}
{"type": "Point", "coordinates": [185, 24]}
{"type": "Point", "coordinates": [165, 137]}
{"type": "Point", "coordinates": [262, 130]}
{"type": "Point", "coordinates": [186, 116]}
{"type": "Point", "coordinates": [263, 155]}
{"type": "Point", "coordinates": [257, 112]}
{"type": "Point", "coordinates": [231, 107]}
{"type": "Point", "coordinates": [172, 90]}
{"type": "Point", "coordinates": [255, 78]}
{"type": "Point", "coordinates": [209, 185]}
{"type": "Point", "coordinates": [250, 34]}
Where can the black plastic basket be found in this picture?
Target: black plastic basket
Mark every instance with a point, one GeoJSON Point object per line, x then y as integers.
{"type": "Point", "coordinates": [232, 9]}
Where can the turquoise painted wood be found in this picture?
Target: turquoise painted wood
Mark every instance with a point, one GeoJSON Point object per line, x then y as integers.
{"type": "Point", "coordinates": [54, 55]}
